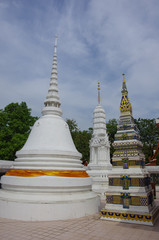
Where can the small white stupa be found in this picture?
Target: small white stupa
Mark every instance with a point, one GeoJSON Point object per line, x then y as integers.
{"type": "Point", "coordinates": [99, 165]}
{"type": "Point", "coordinates": [48, 181]}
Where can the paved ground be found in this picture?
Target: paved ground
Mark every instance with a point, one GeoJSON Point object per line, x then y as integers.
{"type": "Point", "coordinates": [86, 228]}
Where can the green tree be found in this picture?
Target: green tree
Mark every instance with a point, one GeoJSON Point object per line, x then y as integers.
{"type": "Point", "coordinates": [81, 141]}
{"type": "Point", "coordinates": [111, 130]}
{"type": "Point", "coordinates": [74, 130]}
{"type": "Point", "coordinates": [72, 125]}
{"type": "Point", "coordinates": [81, 138]}
{"type": "Point", "coordinates": [149, 134]}
{"type": "Point", "coordinates": [15, 126]}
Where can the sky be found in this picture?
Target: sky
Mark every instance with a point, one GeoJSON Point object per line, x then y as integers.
{"type": "Point", "coordinates": [98, 40]}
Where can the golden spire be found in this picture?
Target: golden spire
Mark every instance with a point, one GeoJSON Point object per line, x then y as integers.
{"type": "Point", "coordinates": [124, 84]}
{"type": "Point", "coordinates": [98, 92]}
{"type": "Point", "coordinates": [125, 105]}
{"type": "Point", "coordinates": [123, 78]}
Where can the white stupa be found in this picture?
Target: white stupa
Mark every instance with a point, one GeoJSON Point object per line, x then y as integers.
{"type": "Point", "coordinates": [99, 165]}
{"type": "Point", "coordinates": [47, 181]}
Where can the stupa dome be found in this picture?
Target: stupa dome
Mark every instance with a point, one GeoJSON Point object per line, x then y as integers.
{"type": "Point", "coordinates": [49, 148]}
{"type": "Point", "coordinates": [45, 137]}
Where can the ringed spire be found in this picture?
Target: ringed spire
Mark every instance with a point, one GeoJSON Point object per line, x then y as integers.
{"type": "Point", "coordinates": [52, 102]}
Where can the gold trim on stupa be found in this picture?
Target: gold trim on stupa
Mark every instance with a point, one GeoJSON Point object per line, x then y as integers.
{"type": "Point", "coordinates": [38, 173]}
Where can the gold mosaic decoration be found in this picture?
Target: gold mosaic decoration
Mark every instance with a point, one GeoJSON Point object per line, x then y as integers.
{"type": "Point", "coordinates": [131, 200]}
{"type": "Point", "coordinates": [117, 163]}
{"type": "Point", "coordinates": [116, 182]}
{"type": "Point", "coordinates": [127, 216]}
{"type": "Point", "coordinates": [135, 201]}
{"type": "Point", "coordinates": [135, 182]}
{"type": "Point", "coordinates": [116, 199]}
{"type": "Point", "coordinates": [132, 182]}
{"type": "Point", "coordinates": [124, 153]}
{"type": "Point", "coordinates": [125, 104]}
{"type": "Point", "coordinates": [131, 163]}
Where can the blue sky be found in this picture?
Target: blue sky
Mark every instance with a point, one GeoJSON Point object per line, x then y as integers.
{"type": "Point", "coordinates": [98, 40]}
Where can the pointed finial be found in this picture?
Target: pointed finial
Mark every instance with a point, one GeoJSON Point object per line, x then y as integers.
{"type": "Point", "coordinates": [55, 46]}
{"type": "Point", "coordinates": [52, 102]}
{"type": "Point", "coordinates": [98, 92]}
{"type": "Point", "coordinates": [123, 78]}
{"type": "Point", "coordinates": [124, 83]}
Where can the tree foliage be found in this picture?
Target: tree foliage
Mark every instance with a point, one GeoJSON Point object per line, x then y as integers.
{"type": "Point", "coordinates": [148, 131]}
{"type": "Point", "coordinates": [15, 126]}
{"type": "Point", "coordinates": [72, 125]}
{"type": "Point", "coordinates": [111, 130]}
{"type": "Point", "coordinates": [81, 138]}
{"type": "Point", "coordinates": [149, 134]}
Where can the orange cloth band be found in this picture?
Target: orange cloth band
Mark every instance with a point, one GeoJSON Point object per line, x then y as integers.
{"type": "Point", "coordinates": [38, 173]}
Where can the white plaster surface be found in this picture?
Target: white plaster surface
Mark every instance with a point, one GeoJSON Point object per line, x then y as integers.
{"type": "Point", "coordinates": [30, 207]}
{"type": "Point", "coordinates": [46, 184]}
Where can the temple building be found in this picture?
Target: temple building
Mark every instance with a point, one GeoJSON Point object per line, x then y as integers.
{"type": "Point", "coordinates": [129, 197]}
{"type": "Point", "coordinates": [99, 165]}
{"type": "Point", "coordinates": [48, 181]}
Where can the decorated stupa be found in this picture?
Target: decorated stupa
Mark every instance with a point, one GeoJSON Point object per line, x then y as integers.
{"type": "Point", "coordinates": [99, 165]}
{"type": "Point", "coordinates": [48, 181]}
{"type": "Point", "coordinates": [129, 197]}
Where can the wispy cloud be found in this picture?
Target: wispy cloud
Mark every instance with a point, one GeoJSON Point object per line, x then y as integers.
{"type": "Point", "coordinates": [98, 41]}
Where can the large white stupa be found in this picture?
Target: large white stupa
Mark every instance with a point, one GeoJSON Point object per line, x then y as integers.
{"type": "Point", "coordinates": [48, 181]}
{"type": "Point", "coordinates": [99, 165]}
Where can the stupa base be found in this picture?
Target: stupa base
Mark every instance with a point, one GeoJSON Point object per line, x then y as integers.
{"type": "Point", "coordinates": [46, 198]}
{"type": "Point", "coordinates": [100, 187]}
{"type": "Point", "coordinates": [99, 181]}
{"type": "Point", "coordinates": [131, 217]}
{"type": "Point", "coordinates": [47, 207]}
